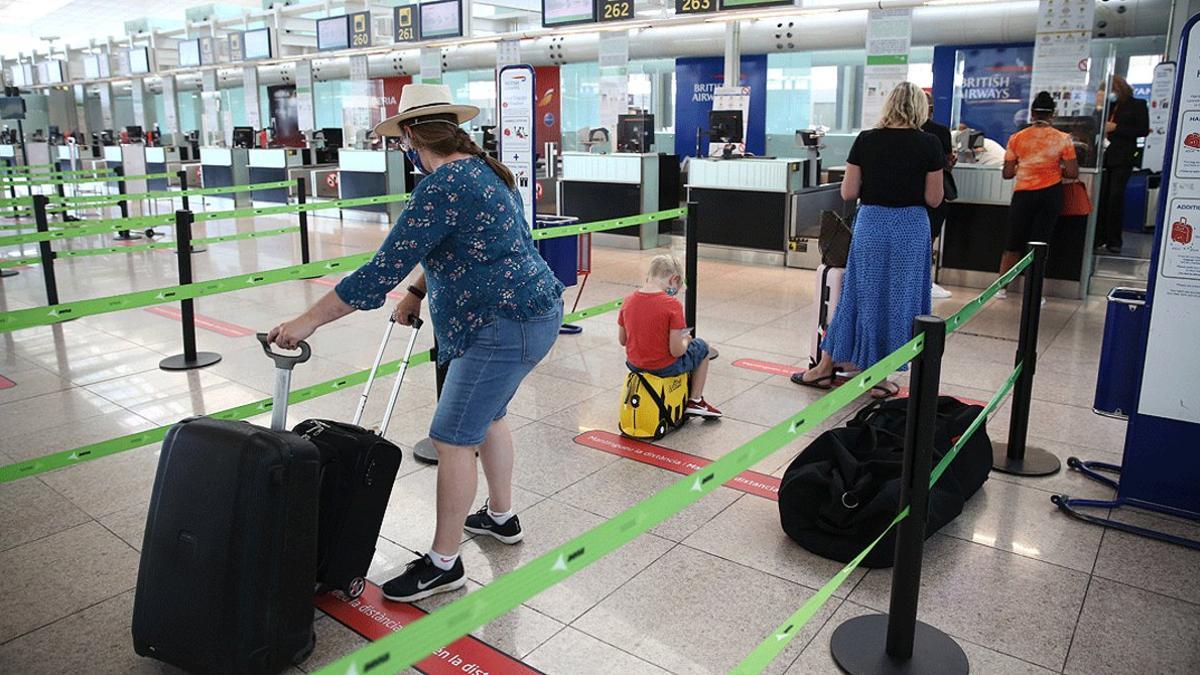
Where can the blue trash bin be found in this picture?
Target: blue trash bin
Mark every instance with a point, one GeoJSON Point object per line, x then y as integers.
{"type": "Point", "coordinates": [561, 253]}
{"type": "Point", "coordinates": [1125, 326]}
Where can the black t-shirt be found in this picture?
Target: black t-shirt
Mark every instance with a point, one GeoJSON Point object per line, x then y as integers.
{"type": "Point", "coordinates": [940, 132]}
{"type": "Point", "coordinates": [894, 163]}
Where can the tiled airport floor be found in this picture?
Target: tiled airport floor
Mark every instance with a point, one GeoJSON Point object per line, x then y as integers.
{"type": "Point", "coordinates": [1023, 588]}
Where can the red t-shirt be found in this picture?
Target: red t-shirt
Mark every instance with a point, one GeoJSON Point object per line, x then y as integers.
{"type": "Point", "coordinates": [648, 319]}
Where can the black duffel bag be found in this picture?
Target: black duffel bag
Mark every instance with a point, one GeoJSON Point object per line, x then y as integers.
{"type": "Point", "coordinates": [973, 463]}
{"type": "Point", "coordinates": [844, 488]}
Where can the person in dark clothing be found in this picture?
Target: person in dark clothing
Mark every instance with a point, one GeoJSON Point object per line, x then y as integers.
{"type": "Point", "coordinates": [937, 214]}
{"type": "Point", "coordinates": [1128, 120]}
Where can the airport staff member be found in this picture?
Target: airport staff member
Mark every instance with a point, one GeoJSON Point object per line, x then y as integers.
{"type": "Point", "coordinates": [496, 310]}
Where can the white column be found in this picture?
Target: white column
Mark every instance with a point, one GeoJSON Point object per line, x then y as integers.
{"type": "Point", "coordinates": [733, 53]}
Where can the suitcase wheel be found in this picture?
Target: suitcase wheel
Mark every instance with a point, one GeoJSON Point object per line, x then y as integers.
{"type": "Point", "coordinates": [356, 588]}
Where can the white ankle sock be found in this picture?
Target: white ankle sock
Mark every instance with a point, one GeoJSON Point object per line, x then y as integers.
{"type": "Point", "coordinates": [697, 400]}
{"type": "Point", "coordinates": [500, 518]}
{"type": "Point", "coordinates": [442, 562]}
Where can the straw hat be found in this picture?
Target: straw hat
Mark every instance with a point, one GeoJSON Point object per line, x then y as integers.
{"type": "Point", "coordinates": [420, 100]}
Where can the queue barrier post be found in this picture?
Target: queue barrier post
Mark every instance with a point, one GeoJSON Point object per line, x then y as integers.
{"type": "Point", "coordinates": [183, 201]}
{"type": "Point", "coordinates": [123, 235]}
{"type": "Point", "coordinates": [301, 199]}
{"type": "Point", "coordinates": [47, 253]}
{"type": "Point", "coordinates": [691, 247]}
{"type": "Point", "coordinates": [897, 642]}
{"type": "Point", "coordinates": [12, 190]}
{"type": "Point", "coordinates": [424, 451]}
{"type": "Point", "coordinates": [1017, 456]}
{"type": "Point", "coordinates": [190, 359]}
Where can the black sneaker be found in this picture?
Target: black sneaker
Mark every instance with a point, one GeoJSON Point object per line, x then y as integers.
{"type": "Point", "coordinates": [481, 522]}
{"type": "Point", "coordinates": [422, 579]}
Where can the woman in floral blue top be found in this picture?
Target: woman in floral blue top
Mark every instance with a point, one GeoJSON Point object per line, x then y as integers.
{"type": "Point", "coordinates": [496, 310]}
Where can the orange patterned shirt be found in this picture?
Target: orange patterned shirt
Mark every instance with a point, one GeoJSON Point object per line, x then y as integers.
{"type": "Point", "coordinates": [1038, 150]}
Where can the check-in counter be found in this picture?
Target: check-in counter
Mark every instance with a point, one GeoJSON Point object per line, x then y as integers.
{"type": "Point", "coordinates": [225, 167]}
{"type": "Point", "coordinates": [38, 153]}
{"type": "Point", "coordinates": [10, 155]}
{"type": "Point", "coordinates": [163, 160]}
{"type": "Point", "coordinates": [976, 233]}
{"type": "Point", "coordinates": [113, 157]}
{"type": "Point", "coordinates": [602, 187]}
{"type": "Point", "coordinates": [275, 164]}
{"type": "Point", "coordinates": [746, 206]}
{"type": "Point", "coordinates": [373, 173]}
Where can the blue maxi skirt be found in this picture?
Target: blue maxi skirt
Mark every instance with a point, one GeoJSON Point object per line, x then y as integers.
{"type": "Point", "coordinates": [887, 283]}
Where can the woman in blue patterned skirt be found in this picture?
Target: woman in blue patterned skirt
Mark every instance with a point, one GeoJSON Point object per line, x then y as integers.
{"type": "Point", "coordinates": [895, 170]}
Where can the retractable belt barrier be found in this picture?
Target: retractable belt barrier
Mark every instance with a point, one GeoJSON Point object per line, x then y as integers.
{"type": "Point", "coordinates": [42, 316]}
{"type": "Point", "coordinates": [118, 224]}
{"type": "Point", "coordinates": [97, 178]}
{"type": "Point", "coordinates": [120, 444]}
{"type": "Point", "coordinates": [401, 650]}
{"type": "Point", "coordinates": [93, 201]}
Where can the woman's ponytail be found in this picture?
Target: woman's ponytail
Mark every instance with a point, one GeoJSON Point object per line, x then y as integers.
{"type": "Point", "coordinates": [447, 139]}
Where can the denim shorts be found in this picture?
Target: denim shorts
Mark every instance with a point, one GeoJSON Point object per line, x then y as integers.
{"type": "Point", "coordinates": [480, 383]}
{"type": "Point", "coordinates": [696, 353]}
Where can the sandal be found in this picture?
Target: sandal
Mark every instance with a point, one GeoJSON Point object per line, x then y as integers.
{"type": "Point", "coordinates": [886, 389]}
{"type": "Point", "coordinates": [823, 382]}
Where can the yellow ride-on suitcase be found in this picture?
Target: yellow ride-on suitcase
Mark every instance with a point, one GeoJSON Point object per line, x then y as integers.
{"type": "Point", "coordinates": [652, 405]}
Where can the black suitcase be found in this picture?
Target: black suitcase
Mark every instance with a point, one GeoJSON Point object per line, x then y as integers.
{"type": "Point", "coordinates": [228, 558]}
{"type": "Point", "coordinates": [358, 469]}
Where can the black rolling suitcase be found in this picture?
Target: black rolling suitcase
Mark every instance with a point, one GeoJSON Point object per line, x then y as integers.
{"type": "Point", "coordinates": [225, 582]}
{"type": "Point", "coordinates": [358, 468]}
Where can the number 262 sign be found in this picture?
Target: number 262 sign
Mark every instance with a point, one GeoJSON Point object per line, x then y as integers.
{"type": "Point", "coordinates": [617, 10]}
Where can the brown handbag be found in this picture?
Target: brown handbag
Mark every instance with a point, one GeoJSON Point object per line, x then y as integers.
{"type": "Point", "coordinates": [1075, 200]}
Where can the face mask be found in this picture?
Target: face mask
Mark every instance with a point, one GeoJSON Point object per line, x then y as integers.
{"type": "Point", "coordinates": [413, 156]}
{"type": "Point", "coordinates": [1112, 98]}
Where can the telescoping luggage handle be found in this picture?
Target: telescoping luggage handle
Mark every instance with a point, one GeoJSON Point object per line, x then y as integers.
{"type": "Point", "coordinates": [283, 379]}
{"type": "Point", "coordinates": [391, 404]}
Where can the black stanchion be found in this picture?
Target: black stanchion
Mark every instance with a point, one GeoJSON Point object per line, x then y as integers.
{"type": "Point", "coordinates": [123, 235]}
{"type": "Point", "coordinates": [1016, 456]}
{"type": "Point", "coordinates": [47, 254]}
{"type": "Point", "coordinates": [183, 201]}
{"type": "Point", "coordinates": [691, 246]}
{"type": "Point", "coordinates": [896, 642]}
{"type": "Point", "coordinates": [424, 451]}
{"type": "Point", "coordinates": [301, 199]}
{"type": "Point", "coordinates": [190, 358]}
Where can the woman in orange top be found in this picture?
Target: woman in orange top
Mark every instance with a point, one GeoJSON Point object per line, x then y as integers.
{"type": "Point", "coordinates": [1039, 157]}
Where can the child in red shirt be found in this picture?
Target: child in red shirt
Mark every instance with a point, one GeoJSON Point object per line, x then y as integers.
{"type": "Point", "coordinates": [656, 337]}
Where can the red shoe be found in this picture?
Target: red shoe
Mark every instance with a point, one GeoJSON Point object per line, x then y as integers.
{"type": "Point", "coordinates": [701, 408]}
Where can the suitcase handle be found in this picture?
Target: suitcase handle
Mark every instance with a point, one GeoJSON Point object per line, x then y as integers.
{"type": "Point", "coordinates": [416, 323]}
{"type": "Point", "coordinates": [284, 361]}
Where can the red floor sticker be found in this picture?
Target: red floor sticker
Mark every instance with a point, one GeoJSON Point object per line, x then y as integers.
{"type": "Point", "coordinates": [374, 618]}
{"type": "Point", "coordinates": [6, 383]}
{"type": "Point", "coordinates": [750, 482]}
{"type": "Point", "coordinates": [205, 322]}
{"type": "Point", "coordinates": [767, 367]}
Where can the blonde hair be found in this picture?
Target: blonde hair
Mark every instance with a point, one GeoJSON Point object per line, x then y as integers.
{"type": "Point", "coordinates": [663, 267]}
{"type": "Point", "coordinates": [906, 107]}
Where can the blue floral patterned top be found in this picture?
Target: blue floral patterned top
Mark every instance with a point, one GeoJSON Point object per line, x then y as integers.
{"type": "Point", "coordinates": [468, 230]}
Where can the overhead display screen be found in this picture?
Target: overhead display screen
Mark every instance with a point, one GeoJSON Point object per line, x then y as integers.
{"type": "Point", "coordinates": [139, 61]}
{"type": "Point", "coordinates": [565, 12]}
{"type": "Point", "coordinates": [360, 29]}
{"type": "Point", "coordinates": [91, 67]}
{"type": "Point", "coordinates": [189, 53]}
{"type": "Point", "coordinates": [54, 71]}
{"type": "Point", "coordinates": [742, 4]}
{"type": "Point", "coordinates": [441, 19]}
{"type": "Point", "coordinates": [256, 44]}
{"type": "Point", "coordinates": [333, 33]}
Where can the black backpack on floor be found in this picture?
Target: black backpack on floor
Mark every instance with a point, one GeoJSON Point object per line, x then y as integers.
{"type": "Point", "coordinates": [844, 488]}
